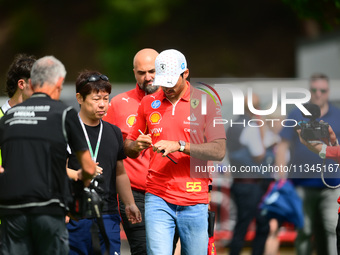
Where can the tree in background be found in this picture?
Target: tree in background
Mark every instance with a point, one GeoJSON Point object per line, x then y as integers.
{"type": "Point", "coordinates": [223, 38]}
{"type": "Point", "coordinates": [325, 12]}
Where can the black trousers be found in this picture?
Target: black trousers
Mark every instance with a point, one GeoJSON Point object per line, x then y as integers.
{"type": "Point", "coordinates": [34, 234]}
{"type": "Point", "coordinates": [135, 233]}
{"type": "Point", "coordinates": [247, 197]}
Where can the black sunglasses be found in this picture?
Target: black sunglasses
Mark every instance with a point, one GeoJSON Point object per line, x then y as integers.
{"type": "Point", "coordinates": [93, 78]}
{"type": "Point", "coordinates": [323, 91]}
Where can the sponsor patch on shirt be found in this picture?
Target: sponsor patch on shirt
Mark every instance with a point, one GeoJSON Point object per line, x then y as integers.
{"type": "Point", "coordinates": [155, 117]}
{"type": "Point", "coordinates": [192, 117]}
{"type": "Point", "coordinates": [156, 131]}
{"type": "Point", "coordinates": [130, 120]}
{"type": "Point", "coordinates": [194, 103]}
{"type": "Point", "coordinates": [155, 104]}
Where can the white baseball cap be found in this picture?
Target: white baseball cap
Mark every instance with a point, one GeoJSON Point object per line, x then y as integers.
{"type": "Point", "coordinates": [169, 65]}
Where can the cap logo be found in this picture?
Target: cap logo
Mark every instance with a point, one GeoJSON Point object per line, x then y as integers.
{"type": "Point", "coordinates": [182, 65]}
{"type": "Point", "coordinates": [163, 66]}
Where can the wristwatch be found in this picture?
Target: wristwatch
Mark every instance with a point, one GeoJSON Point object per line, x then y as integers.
{"type": "Point", "coordinates": [182, 144]}
{"type": "Point", "coordinates": [322, 153]}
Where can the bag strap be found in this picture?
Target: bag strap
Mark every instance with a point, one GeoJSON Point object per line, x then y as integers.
{"type": "Point", "coordinates": [95, 239]}
{"type": "Point", "coordinates": [99, 225]}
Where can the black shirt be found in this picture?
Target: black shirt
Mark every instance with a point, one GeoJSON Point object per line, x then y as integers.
{"type": "Point", "coordinates": [34, 137]}
{"type": "Point", "coordinates": [110, 151]}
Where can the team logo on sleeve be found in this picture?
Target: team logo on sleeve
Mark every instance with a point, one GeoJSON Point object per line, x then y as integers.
{"type": "Point", "coordinates": [155, 117]}
{"type": "Point", "coordinates": [194, 103]}
{"type": "Point", "coordinates": [130, 120]}
{"type": "Point", "coordinates": [155, 104]}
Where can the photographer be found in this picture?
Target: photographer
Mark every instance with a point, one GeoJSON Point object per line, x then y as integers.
{"type": "Point", "coordinates": [105, 143]}
{"type": "Point", "coordinates": [319, 206]}
{"type": "Point", "coordinates": [324, 151]}
{"type": "Point", "coordinates": [33, 187]}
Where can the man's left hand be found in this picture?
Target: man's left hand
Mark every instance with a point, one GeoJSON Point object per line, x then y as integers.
{"type": "Point", "coordinates": [166, 147]}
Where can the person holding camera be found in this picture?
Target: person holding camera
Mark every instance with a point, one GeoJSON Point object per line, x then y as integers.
{"type": "Point", "coordinates": [327, 149]}
{"type": "Point", "coordinates": [105, 143]}
{"type": "Point", "coordinates": [319, 202]}
{"type": "Point", "coordinates": [34, 190]}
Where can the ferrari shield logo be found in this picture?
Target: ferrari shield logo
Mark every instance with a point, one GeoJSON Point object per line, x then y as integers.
{"type": "Point", "coordinates": [194, 103]}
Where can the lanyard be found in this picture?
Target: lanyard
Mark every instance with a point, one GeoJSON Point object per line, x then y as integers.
{"type": "Point", "coordinates": [93, 156]}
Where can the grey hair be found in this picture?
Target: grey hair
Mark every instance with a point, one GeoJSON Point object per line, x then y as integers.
{"type": "Point", "coordinates": [47, 70]}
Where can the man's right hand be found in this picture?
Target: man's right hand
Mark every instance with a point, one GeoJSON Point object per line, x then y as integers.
{"type": "Point", "coordinates": [133, 148]}
{"type": "Point", "coordinates": [143, 142]}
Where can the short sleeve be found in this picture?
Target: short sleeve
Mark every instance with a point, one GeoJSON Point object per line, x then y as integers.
{"type": "Point", "coordinates": [121, 155]}
{"type": "Point", "coordinates": [74, 132]}
{"type": "Point", "coordinates": [213, 131]}
{"type": "Point", "coordinates": [140, 123]}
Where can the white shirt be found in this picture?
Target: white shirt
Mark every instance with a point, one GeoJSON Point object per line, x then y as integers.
{"type": "Point", "coordinates": [251, 138]}
{"type": "Point", "coordinates": [6, 107]}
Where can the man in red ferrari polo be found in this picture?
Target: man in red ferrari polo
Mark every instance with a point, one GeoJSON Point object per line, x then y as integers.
{"type": "Point", "coordinates": [171, 119]}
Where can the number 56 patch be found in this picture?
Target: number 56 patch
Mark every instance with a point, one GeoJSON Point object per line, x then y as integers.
{"type": "Point", "coordinates": [194, 186]}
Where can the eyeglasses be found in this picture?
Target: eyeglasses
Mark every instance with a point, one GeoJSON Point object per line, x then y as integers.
{"type": "Point", "coordinates": [93, 78]}
{"type": "Point", "coordinates": [323, 91]}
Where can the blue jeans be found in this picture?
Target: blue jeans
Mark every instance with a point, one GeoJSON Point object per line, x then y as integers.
{"type": "Point", "coordinates": [161, 218]}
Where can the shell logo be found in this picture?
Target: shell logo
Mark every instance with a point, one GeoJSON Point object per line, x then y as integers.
{"type": "Point", "coordinates": [130, 120]}
{"type": "Point", "coordinates": [155, 117]}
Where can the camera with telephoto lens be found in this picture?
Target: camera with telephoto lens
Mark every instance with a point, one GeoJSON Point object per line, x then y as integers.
{"type": "Point", "coordinates": [313, 129]}
{"type": "Point", "coordinates": [86, 200]}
